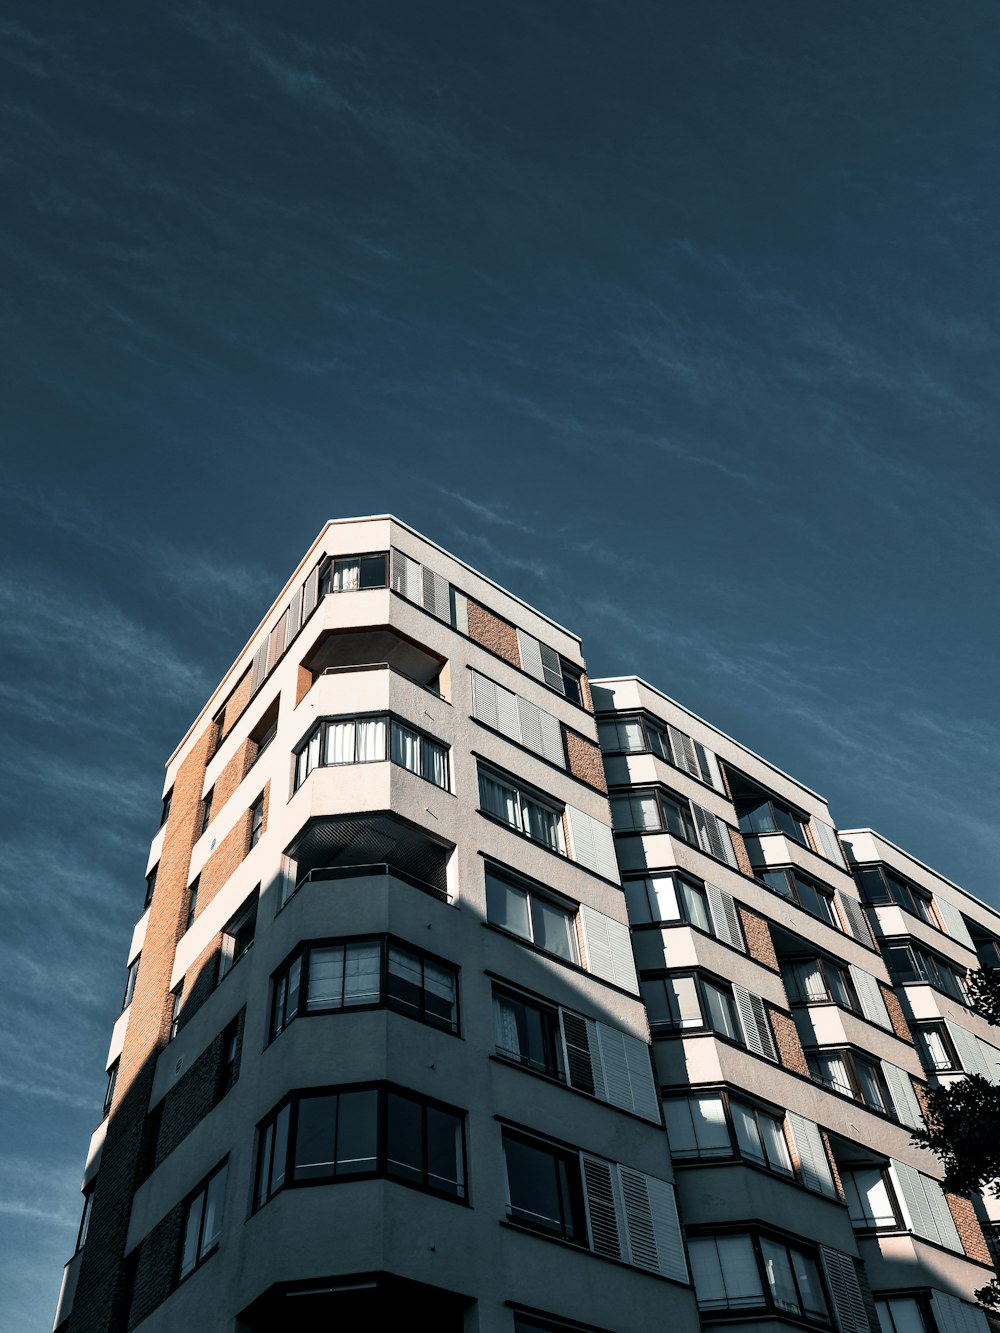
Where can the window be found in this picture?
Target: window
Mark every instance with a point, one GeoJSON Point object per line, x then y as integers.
{"type": "Point", "coordinates": [686, 1002]}
{"type": "Point", "coordinates": [165, 813]}
{"type": "Point", "coordinates": [852, 1076]}
{"type": "Point", "coordinates": [339, 1134]}
{"type": "Point", "coordinates": [544, 1187]}
{"type": "Point", "coordinates": [150, 885]}
{"type": "Point", "coordinates": [528, 1031]}
{"type": "Point", "coordinates": [354, 573]}
{"type": "Point", "coordinates": [902, 1314]}
{"type": "Point", "coordinates": [256, 820]}
{"type": "Point", "coordinates": [362, 740]}
{"type": "Point", "coordinates": [728, 1273]}
{"type": "Point", "coordinates": [229, 1071]}
{"type": "Point", "coordinates": [657, 810]}
{"type": "Point", "coordinates": [668, 898]}
{"type": "Point", "coordinates": [871, 1200]}
{"type": "Point", "coordinates": [761, 1137]}
{"type": "Point", "coordinates": [572, 683]}
{"type": "Point", "coordinates": [818, 981]}
{"type": "Point", "coordinates": [880, 886]}
{"type": "Point", "coordinates": [238, 935]}
{"type": "Point", "coordinates": [203, 1222]}
{"type": "Point", "coordinates": [265, 731]}
{"type": "Point", "coordinates": [351, 974]}
{"type": "Point", "coordinates": [130, 978]}
{"type": "Point", "coordinates": [175, 1013]}
{"type": "Point", "coordinates": [206, 810]}
{"type": "Point", "coordinates": [514, 906]}
{"type": "Point", "coordinates": [988, 952]}
{"type": "Point", "coordinates": [697, 1127]}
{"type": "Point", "coordinates": [219, 722]}
{"type": "Point", "coordinates": [88, 1204]}
{"type": "Point", "coordinates": [910, 963]}
{"type": "Point", "coordinates": [109, 1092]}
{"type": "Point", "coordinates": [935, 1047]}
{"type": "Point", "coordinates": [759, 811]}
{"type": "Point", "coordinates": [632, 735]}
{"type": "Point", "coordinates": [192, 909]}
{"type": "Point", "coordinates": [519, 810]}
{"type": "Point", "coordinates": [798, 888]}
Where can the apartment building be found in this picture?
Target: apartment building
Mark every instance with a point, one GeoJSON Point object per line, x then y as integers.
{"type": "Point", "coordinates": [435, 1012]}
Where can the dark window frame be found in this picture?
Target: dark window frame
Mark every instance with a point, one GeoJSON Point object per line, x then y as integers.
{"type": "Point", "coordinates": [192, 905]}
{"type": "Point", "coordinates": [206, 810]}
{"type": "Point", "coordinates": [328, 566]}
{"type": "Point", "coordinates": [553, 1064]}
{"type": "Point", "coordinates": [687, 833]}
{"type": "Point", "coordinates": [85, 1215]}
{"type": "Point", "coordinates": [202, 1254]}
{"type": "Point", "coordinates": [757, 1236]}
{"type": "Point", "coordinates": [852, 1059]}
{"type": "Point", "coordinates": [109, 1092]}
{"type": "Point", "coordinates": [941, 1028]}
{"type": "Point", "coordinates": [525, 793]}
{"type": "Point", "coordinates": [257, 820]}
{"type": "Point", "coordinates": [572, 1225]}
{"type": "Point", "coordinates": [167, 801]}
{"type": "Point", "coordinates": [896, 891]}
{"type": "Point", "coordinates": [130, 980]}
{"type": "Point", "coordinates": [302, 766]}
{"type": "Point", "coordinates": [793, 876]}
{"type": "Point", "coordinates": [941, 975]}
{"type": "Point", "coordinates": [657, 742]}
{"type": "Point", "coordinates": [566, 906]}
{"type": "Point", "coordinates": [824, 964]}
{"type": "Point", "coordinates": [150, 886]}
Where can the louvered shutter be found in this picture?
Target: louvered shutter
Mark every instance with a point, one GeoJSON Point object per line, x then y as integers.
{"type": "Point", "coordinates": [848, 1302]}
{"type": "Point", "coordinates": [484, 701]}
{"type": "Point", "coordinates": [608, 947]}
{"type": "Point", "coordinates": [407, 577]}
{"type": "Point", "coordinates": [604, 1210]}
{"type": "Point", "coordinates": [870, 995]}
{"type": "Point", "coordinates": [436, 595]}
{"type": "Point", "coordinates": [829, 845]}
{"type": "Point", "coordinates": [854, 918]}
{"type": "Point", "coordinates": [904, 1099]}
{"type": "Point", "coordinates": [530, 724]}
{"type": "Point", "coordinates": [617, 1083]}
{"type": "Point", "coordinates": [954, 923]}
{"type": "Point", "coordinates": [954, 1316]}
{"type": "Point", "coordinates": [923, 1200]}
{"type": "Point", "coordinates": [666, 1229]}
{"type": "Point", "coordinates": [552, 739]}
{"type": "Point", "coordinates": [310, 594]}
{"type": "Point", "coordinates": [294, 622]}
{"type": "Point", "coordinates": [683, 750]}
{"type": "Point", "coordinates": [583, 1055]}
{"type": "Point", "coordinates": [754, 1024]}
{"type": "Point", "coordinates": [645, 1101]}
{"type": "Point", "coordinates": [975, 1056]}
{"type": "Point", "coordinates": [275, 645]}
{"type": "Point", "coordinates": [712, 765]}
{"type": "Point", "coordinates": [460, 611]}
{"type": "Point", "coordinates": [531, 655]}
{"type": "Point", "coordinates": [551, 668]}
{"type": "Point", "coordinates": [712, 835]}
{"type": "Point", "coordinates": [592, 844]}
{"type": "Point", "coordinates": [398, 572]}
{"type": "Point", "coordinates": [258, 667]}
{"type": "Point", "coordinates": [814, 1166]}
{"type": "Point", "coordinates": [725, 917]}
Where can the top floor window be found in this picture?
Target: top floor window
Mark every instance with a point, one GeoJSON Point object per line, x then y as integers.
{"type": "Point", "coordinates": [909, 963]}
{"type": "Point", "coordinates": [759, 811]}
{"type": "Point", "coordinates": [354, 573]}
{"type": "Point", "coordinates": [881, 886]}
{"type": "Point", "coordinates": [813, 898]}
{"type": "Point", "coordinates": [372, 740]}
{"type": "Point", "coordinates": [638, 734]}
{"type": "Point", "coordinates": [521, 810]}
{"type": "Point", "coordinates": [165, 813]}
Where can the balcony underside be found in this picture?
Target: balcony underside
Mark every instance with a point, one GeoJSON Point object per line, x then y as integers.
{"type": "Point", "coordinates": [341, 841]}
{"type": "Point", "coordinates": [376, 1302]}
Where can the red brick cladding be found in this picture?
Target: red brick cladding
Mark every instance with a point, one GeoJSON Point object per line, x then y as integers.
{"type": "Point", "coordinates": [156, 1267]}
{"type": "Point", "coordinates": [100, 1291]}
{"type": "Point", "coordinates": [233, 774]}
{"type": "Point", "coordinates": [834, 1171]}
{"type": "Point", "coordinates": [739, 847]}
{"type": "Point", "coordinates": [760, 946]}
{"type": "Point", "coordinates": [969, 1231]}
{"type": "Point", "coordinates": [786, 1038]}
{"type": "Point", "coordinates": [896, 1016]}
{"type": "Point", "coordinates": [499, 636]}
{"type": "Point", "coordinates": [196, 1093]}
{"type": "Point", "coordinates": [585, 760]}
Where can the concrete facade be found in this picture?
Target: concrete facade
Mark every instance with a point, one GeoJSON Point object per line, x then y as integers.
{"type": "Point", "coordinates": [413, 1030]}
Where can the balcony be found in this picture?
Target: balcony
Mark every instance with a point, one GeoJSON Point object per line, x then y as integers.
{"type": "Point", "coordinates": [348, 846]}
{"type": "Point", "coordinates": [354, 650]}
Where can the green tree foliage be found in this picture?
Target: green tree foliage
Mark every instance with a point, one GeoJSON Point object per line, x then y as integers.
{"type": "Point", "coordinates": [984, 993]}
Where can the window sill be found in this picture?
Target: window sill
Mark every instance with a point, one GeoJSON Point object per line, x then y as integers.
{"type": "Point", "coordinates": [556, 1081]}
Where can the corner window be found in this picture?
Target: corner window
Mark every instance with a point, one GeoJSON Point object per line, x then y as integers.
{"type": "Point", "coordinates": [514, 906]}
{"type": "Point", "coordinates": [192, 907]}
{"type": "Point", "coordinates": [745, 1272]}
{"type": "Point", "coordinates": [871, 1200]}
{"type": "Point", "coordinates": [935, 1047]}
{"type": "Point", "coordinates": [522, 811]}
{"type": "Point", "coordinates": [818, 981]}
{"type": "Point", "coordinates": [363, 740]}
{"type": "Point", "coordinates": [910, 963]}
{"type": "Point", "coordinates": [175, 1014]}
{"type": "Point", "coordinates": [852, 1076]}
{"type": "Point", "coordinates": [761, 1137]}
{"type": "Point", "coordinates": [759, 811]}
{"type": "Point", "coordinates": [256, 820]}
{"type": "Point", "coordinates": [881, 886]}
{"type": "Point", "coordinates": [670, 897]}
{"type": "Point", "coordinates": [902, 1314]}
{"type": "Point", "coordinates": [653, 811]}
{"type": "Point", "coordinates": [354, 573]}
{"type": "Point", "coordinates": [265, 731]}
{"type": "Point", "coordinates": [682, 1002]}
{"type": "Point", "coordinates": [641, 734]}
{"type": "Point", "coordinates": [238, 934]}
{"type": "Point", "coordinates": [798, 888]}
{"type": "Point", "coordinates": [206, 810]}
{"type": "Point", "coordinates": [697, 1127]}
{"type": "Point", "coordinates": [203, 1222]}
{"type": "Point", "coordinates": [230, 1042]}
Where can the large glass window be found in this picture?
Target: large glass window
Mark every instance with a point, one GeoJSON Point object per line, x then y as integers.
{"type": "Point", "coordinates": [902, 1314]}
{"type": "Point", "coordinates": [665, 897]}
{"type": "Point", "coordinates": [631, 735]}
{"type": "Point", "coordinates": [372, 740]}
{"type": "Point", "coordinates": [910, 963]}
{"type": "Point", "coordinates": [544, 1187]}
{"type": "Point", "coordinates": [202, 1224]}
{"type": "Point", "coordinates": [654, 810]}
{"type": "Point", "coordinates": [520, 810]}
{"type": "Point", "coordinates": [367, 973]}
{"type": "Point", "coordinates": [850, 1075]}
{"type": "Point", "coordinates": [818, 981]}
{"type": "Point", "coordinates": [697, 1127]}
{"type": "Point", "coordinates": [341, 1134]}
{"type": "Point", "coordinates": [871, 1201]}
{"type": "Point", "coordinates": [879, 886]}
{"type": "Point", "coordinates": [764, 814]}
{"type": "Point", "coordinates": [798, 888]}
{"type": "Point", "coordinates": [725, 1273]}
{"type": "Point", "coordinates": [761, 1137]}
{"type": "Point", "coordinates": [354, 573]}
{"type": "Point", "coordinates": [514, 906]}
{"type": "Point", "coordinates": [935, 1047]}
{"type": "Point", "coordinates": [528, 1031]}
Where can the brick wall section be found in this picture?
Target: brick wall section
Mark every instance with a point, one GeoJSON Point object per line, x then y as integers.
{"type": "Point", "coordinates": [786, 1038]}
{"type": "Point", "coordinates": [896, 1015]}
{"type": "Point", "coordinates": [739, 847]}
{"type": "Point", "coordinates": [834, 1171]}
{"type": "Point", "coordinates": [920, 1092]}
{"type": "Point", "coordinates": [229, 854]}
{"type": "Point", "coordinates": [236, 703]}
{"type": "Point", "coordinates": [585, 695]}
{"type": "Point", "coordinates": [760, 946]}
{"type": "Point", "coordinates": [585, 760]}
{"type": "Point", "coordinates": [499, 636]}
{"type": "Point", "coordinates": [200, 981]}
{"type": "Point", "coordinates": [303, 684]}
{"type": "Point", "coordinates": [191, 1098]}
{"type": "Point", "coordinates": [98, 1306]}
{"type": "Point", "coordinates": [233, 774]}
{"type": "Point", "coordinates": [969, 1231]}
{"type": "Point", "coordinates": [156, 1272]}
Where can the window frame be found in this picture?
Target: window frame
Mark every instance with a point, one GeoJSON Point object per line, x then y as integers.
{"type": "Point", "coordinates": [824, 965]}
{"type": "Point", "coordinates": [291, 1102]}
{"type": "Point", "coordinates": [656, 741]}
{"type": "Point", "coordinates": [578, 1232]}
{"type": "Point", "coordinates": [206, 810]}
{"type": "Point", "coordinates": [165, 812]}
{"type": "Point", "coordinates": [688, 832]}
{"type": "Point", "coordinates": [746, 791]}
{"type": "Point", "coordinates": [525, 796]}
{"type": "Point", "coordinates": [150, 885]}
{"type": "Point", "coordinates": [85, 1215]}
{"type": "Point", "coordinates": [386, 942]}
{"type": "Point", "coordinates": [302, 767]}
{"type": "Point", "coordinates": [894, 888]}
{"type": "Point", "coordinates": [202, 1255]}
{"type": "Point", "coordinates": [793, 875]}
{"type": "Point", "coordinates": [130, 979]}
{"type": "Point", "coordinates": [898, 1223]}
{"type": "Point", "coordinates": [327, 572]}
{"type": "Point", "coordinates": [940, 1028]}
{"type": "Point", "coordinates": [735, 1150]}
{"type": "Point", "coordinates": [554, 1066]}
{"type": "Point", "coordinates": [232, 951]}
{"type": "Point", "coordinates": [946, 980]}
{"type": "Point", "coordinates": [852, 1059]}
{"type": "Point", "coordinates": [192, 905]}
{"type": "Point", "coordinates": [768, 1302]}
{"type": "Point", "coordinates": [257, 821]}
{"type": "Point", "coordinates": [566, 906]}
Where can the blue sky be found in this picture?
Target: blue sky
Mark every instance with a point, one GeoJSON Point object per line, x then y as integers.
{"type": "Point", "coordinates": [680, 320]}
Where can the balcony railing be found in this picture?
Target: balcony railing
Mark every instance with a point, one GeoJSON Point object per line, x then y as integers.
{"type": "Point", "coordinates": [321, 874]}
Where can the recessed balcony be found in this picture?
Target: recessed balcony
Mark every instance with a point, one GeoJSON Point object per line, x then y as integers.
{"type": "Point", "coordinates": [347, 846]}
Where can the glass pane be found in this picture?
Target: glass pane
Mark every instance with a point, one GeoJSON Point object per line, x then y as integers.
{"type": "Point", "coordinates": [215, 1196]}
{"type": "Point", "coordinates": [776, 880]}
{"type": "Point", "coordinates": [371, 740]}
{"type": "Point", "coordinates": [537, 1188]}
{"type": "Point", "coordinates": [833, 1070]}
{"type": "Point", "coordinates": [192, 1227]}
{"type": "Point", "coordinates": [839, 989]}
{"type": "Point", "coordinates": [404, 1138]}
{"type": "Point", "coordinates": [554, 929]}
{"type": "Point", "coordinates": [607, 735]}
{"type": "Point", "coordinates": [721, 1017]}
{"type": "Point", "coordinates": [445, 1168]}
{"type": "Point", "coordinates": [741, 1275]}
{"type": "Point", "coordinates": [439, 996]}
{"type": "Point", "coordinates": [280, 1155]}
{"type": "Point", "coordinates": [695, 905]}
{"type": "Point", "coordinates": [933, 1048]}
{"type": "Point", "coordinates": [357, 1132]}
{"type": "Point", "coordinates": [500, 800]}
{"type": "Point", "coordinates": [644, 810]}
{"type": "Point", "coordinates": [706, 1272]}
{"type": "Point", "coordinates": [315, 1137]}
{"type": "Point", "coordinates": [678, 1112]}
{"type": "Point", "coordinates": [663, 898]}
{"type": "Point", "coordinates": [778, 1270]}
{"type": "Point", "coordinates": [325, 987]}
{"type": "Point", "coordinates": [542, 824]}
{"type": "Point", "coordinates": [789, 823]}
{"type": "Point", "coordinates": [685, 1007]}
{"type": "Point", "coordinates": [621, 813]}
{"type": "Point", "coordinates": [654, 998]}
{"type": "Point", "coordinates": [507, 906]}
{"type": "Point", "coordinates": [755, 816]}
{"type": "Point", "coordinates": [405, 981]}
{"type": "Point", "coordinates": [810, 1287]}
{"type": "Point", "coordinates": [775, 1145]}
{"type": "Point", "coordinates": [346, 574]}
{"type": "Point", "coordinates": [868, 1082]}
{"type": "Point", "coordinates": [904, 1313]}
{"type": "Point", "coordinates": [810, 981]}
{"type": "Point", "coordinates": [630, 737]}
{"type": "Point", "coordinates": [433, 765]}
{"type": "Point", "coordinates": [674, 819]}
{"type": "Point", "coordinates": [709, 1119]}
{"type": "Point", "coordinates": [293, 991]}
{"type": "Point", "coordinates": [373, 571]}
{"type": "Point", "coordinates": [362, 973]}
{"type": "Point", "coordinates": [405, 748]}
{"type": "Point", "coordinates": [873, 886]}
{"type": "Point", "coordinates": [747, 1133]}
{"type": "Point", "coordinates": [339, 743]}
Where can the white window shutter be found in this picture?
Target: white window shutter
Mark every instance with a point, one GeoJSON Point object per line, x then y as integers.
{"type": "Point", "coordinates": [398, 572]}
{"type": "Point", "coordinates": [683, 748]}
{"type": "Point", "coordinates": [814, 1166]}
{"type": "Point", "coordinates": [436, 595]}
{"type": "Point", "coordinates": [754, 1024]}
{"type": "Point", "coordinates": [715, 773]}
{"type": "Point", "coordinates": [924, 1206]}
{"type": "Point", "coordinates": [870, 995]}
{"type": "Point", "coordinates": [829, 845]}
{"type": "Point", "coordinates": [848, 1301]}
{"type": "Point", "coordinates": [275, 645]}
{"type": "Point", "coordinates": [529, 716]}
{"type": "Point", "coordinates": [552, 739]}
{"type": "Point", "coordinates": [975, 1056]}
{"type": "Point", "coordinates": [654, 1233]}
{"type": "Point", "coordinates": [460, 611]}
{"type": "Point", "coordinates": [725, 917]}
{"type": "Point", "coordinates": [294, 623]}
{"type": "Point", "coordinates": [954, 1316]}
{"type": "Point", "coordinates": [583, 1056]}
{"type": "Point", "coordinates": [310, 594]}
{"type": "Point", "coordinates": [904, 1099]}
{"type": "Point", "coordinates": [617, 1083]}
{"type": "Point", "coordinates": [604, 1207]}
{"type": "Point", "coordinates": [954, 923]}
{"type": "Point", "coordinates": [854, 917]}
{"type": "Point", "coordinates": [608, 946]}
{"type": "Point", "coordinates": [484, 701]}
{"type": "Point", "coordinates": [645, 1101]}
{"type": "Point", "coordinates": [592, 844]}
{"type": "Point", "coordinates": [258, 668]}
{"type": "Point", "coordinates": [713, 835]}
{"type": "Point", "coordinates": [531, 655]}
